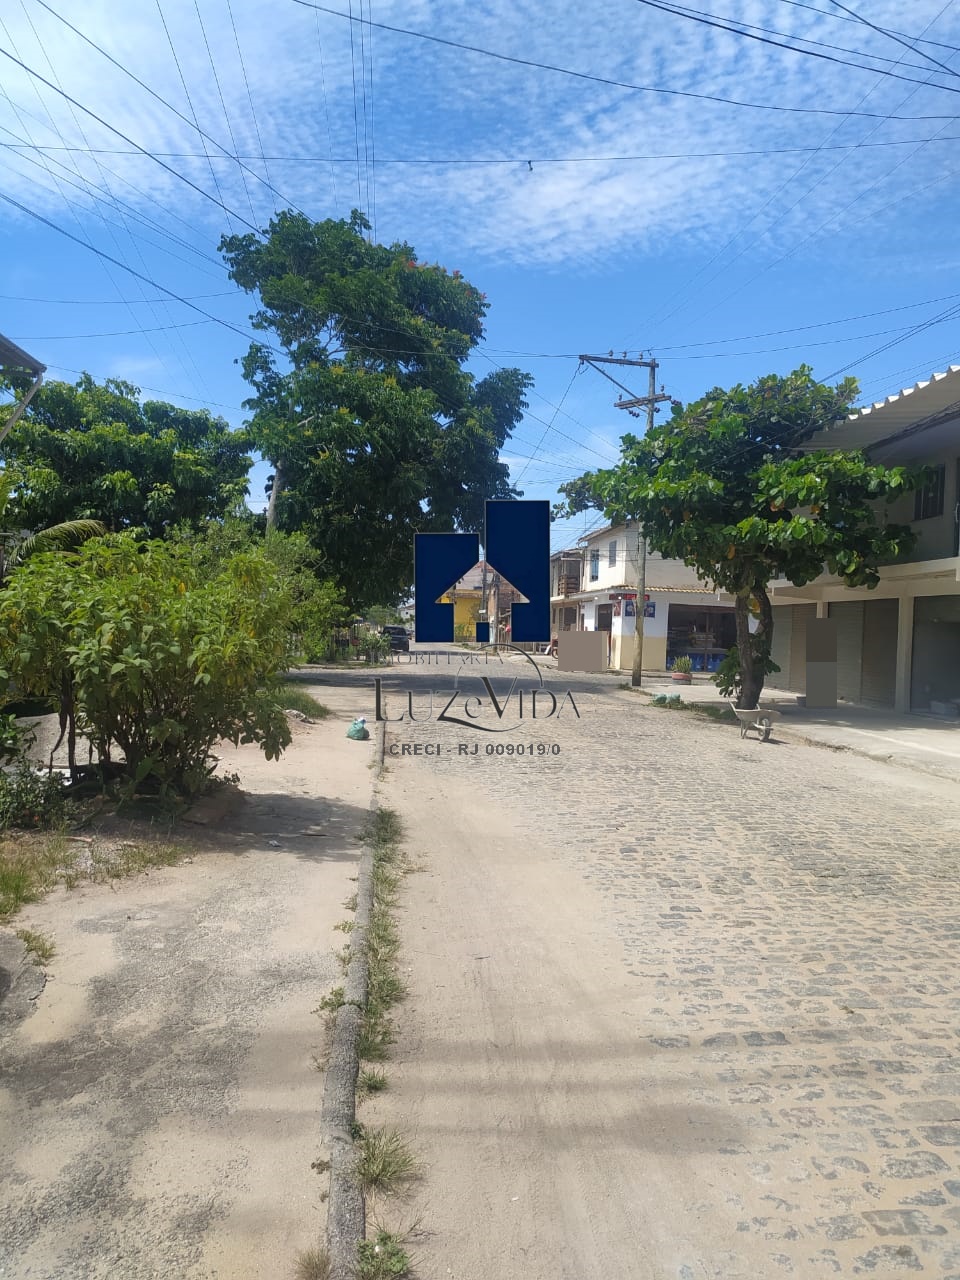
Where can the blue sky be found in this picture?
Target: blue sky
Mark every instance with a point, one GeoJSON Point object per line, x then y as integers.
{"type": "Point", "coordinates": [609, 218]}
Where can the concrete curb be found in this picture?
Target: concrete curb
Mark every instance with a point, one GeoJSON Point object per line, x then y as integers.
{"type": "Point", "coordinates": [346, 1211]}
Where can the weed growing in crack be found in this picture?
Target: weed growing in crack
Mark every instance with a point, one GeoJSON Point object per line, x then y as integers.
{"type": "Point", "coordinates": [315, 1264]}
{"type": "Point", "coordinates": [38, 945]}
{"type": "Point", "coordinates": [385, 1163]}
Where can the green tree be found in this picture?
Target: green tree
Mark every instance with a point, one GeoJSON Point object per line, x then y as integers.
{"type": "Point", "coordinates": [728, 486]}
{"type": "Point", "coordinates": [318, 604]}
{"type": "Point", "coordinates": [17, 545]}
{"type": "Point", "coordinates": [143, 653]}
{"type": "Point", "coordinates": [374, 427]}
{"type": "Point", "coordinates": [95, 452]}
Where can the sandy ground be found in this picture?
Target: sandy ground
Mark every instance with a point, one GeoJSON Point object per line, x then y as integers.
{"type": "Point", "coordinates": [516, 1077]}
{"type": "Point", "coordinates": [159, 1108]}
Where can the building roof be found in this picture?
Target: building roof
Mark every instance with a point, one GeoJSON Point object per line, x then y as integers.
{"type": "Point", "coordinates": [933, 399]}
{"type": "Point", "coordinates": [14, 357]}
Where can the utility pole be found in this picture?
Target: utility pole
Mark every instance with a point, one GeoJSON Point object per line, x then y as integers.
{"type": "Point", "coordinates": [633, 404]}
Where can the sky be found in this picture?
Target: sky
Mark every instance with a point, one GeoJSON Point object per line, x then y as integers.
{"type": "Point", "coordinates": [657, 186]}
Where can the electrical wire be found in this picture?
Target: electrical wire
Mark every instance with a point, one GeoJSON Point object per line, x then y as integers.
{"type": "Point", "coordinates": [223, 107]}
{"type": "Point", "coordinates": [84, 233]}
{"type": "Point", "coordinates": [783, 187]}
{"type": "Point", "coordinates": [824, 44]}
{"type": "Point", "coordinates": [105, 302]}
{"type": "Point", "coordinates": [142, 150]}
{"type": "Point", "coordinates": [548, 429]}
{"type": "Point", "coordinates": [47, 222]}
{"type": "Point", "coordinates": [707, 20]}
{"type": "Point", "coordinates": [253, 110]}
{"type": "Point", "coordinates": [515, 161]}
{"type": "Point", "coordinates": [163, 101]}
{"type": "Point", "coordinates": [908, 43]}
{"type": "Point", "coordinates": [193, 113]}
{"type": "Point", "coordinates": [326, 113]}
{"type": "Point", "coordinates": [839, 17]}
{"type": "Point", "coordinates": [356, 124]}
{"type": "Point", "coordinates": [617, 84]}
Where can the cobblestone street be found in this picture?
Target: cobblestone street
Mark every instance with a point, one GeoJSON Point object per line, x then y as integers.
{"type": "Point", "coordinates": [790, 921]}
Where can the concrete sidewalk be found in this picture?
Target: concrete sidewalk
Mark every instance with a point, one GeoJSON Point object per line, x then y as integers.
{"type": "Point", "coordinates": [925, 743]}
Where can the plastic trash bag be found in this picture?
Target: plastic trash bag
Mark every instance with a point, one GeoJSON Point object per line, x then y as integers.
{"type": "Point", "coordinates": [358, 731]}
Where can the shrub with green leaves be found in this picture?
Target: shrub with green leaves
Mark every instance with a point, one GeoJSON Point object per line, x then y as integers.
{"type": "Point", "coordinates": [30, 799]}
{"type": "Point", "coordinates": [146, 654]}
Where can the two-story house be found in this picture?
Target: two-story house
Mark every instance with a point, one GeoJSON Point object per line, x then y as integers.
{"type": "Point", "coordinates": [595, 587]}
{"type": "Point", "coordinates": [898, 645]}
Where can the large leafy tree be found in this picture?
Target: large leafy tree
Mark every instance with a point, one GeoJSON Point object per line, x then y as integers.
{"type": "Point", "coordinates": [374, 427]}
{"type": "Point", "coordinates": [94, 451]}
{"type": "Point", "coordinates": [730, 486]}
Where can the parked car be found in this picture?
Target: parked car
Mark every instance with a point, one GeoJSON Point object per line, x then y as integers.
{"type": "Point", "coordinates": [399, 639]}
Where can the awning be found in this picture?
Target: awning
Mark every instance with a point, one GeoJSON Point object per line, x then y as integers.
{"type": "Point", "coordinates": [14, 357]}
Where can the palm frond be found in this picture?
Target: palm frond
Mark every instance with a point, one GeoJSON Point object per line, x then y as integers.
{"type": "Point", "coordinates": [58, 537]}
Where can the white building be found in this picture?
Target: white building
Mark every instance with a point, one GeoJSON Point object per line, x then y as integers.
{"type": "Point", "coordinates": [594, 587]}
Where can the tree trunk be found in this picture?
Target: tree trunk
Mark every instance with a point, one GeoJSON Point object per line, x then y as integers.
{"type": "Point", "coordinates": [274, 493]}
{"type": "Point", "coordinates": [751, 674]}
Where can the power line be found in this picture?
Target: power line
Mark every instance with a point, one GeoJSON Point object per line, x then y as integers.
{"type": "Point", "coordinates": [177, 395]}
{"type": "Point", "coordinates": [106, 302]}
{"type": "Point", "coordinates": [908, 43]}
{"type": "Point", "coordinates": [142, 150]}
{"type": "Point", "coordinates": [356, 125]}
{"type": "Point", "coordinates": [783, 187]}
{"type": "Point", "coordinates": [685, 10]}
{"type": "Point", "coordinates": [326, 111]}
{"type": "Point", "coordinates": [223, 107]}
{"type": "Point", "coordinates": [839, 17]}
{"type": "Point", "coordinates": [527, 159]}
{"type": "Point", "coordinates": [253, 111]}
{"type": "Point", "coordinates": [117, 333]}
{"type": "Point", "coordinates": [707, 20]}
{"type": "Point", "coordinates": [163, 101]}
{"type": "Point", "coordinates": [89, 188]}
{"type": "Point", "coordinates": [58, 182]}
{"type": "Point", "coordinates": [193, 113]}
{"type": "Point", "coordinates": [948, 314]}
{"type": "Point", "coordinates": [549, 426]}
{"type": "Point", "coordinates": [616, 84]}
{"type": "Point", "coordinates": [123, 266]}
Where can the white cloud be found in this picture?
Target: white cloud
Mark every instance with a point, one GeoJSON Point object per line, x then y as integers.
{"type": "Point", "coordinates": [431, 101]}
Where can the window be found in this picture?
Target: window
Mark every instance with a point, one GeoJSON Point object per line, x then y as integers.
{"type": "Point", "coordinates": [612, 554]}
{"type": "Point", "coordinates": [594, 565]}
{"type": "Point", "coordinates": [928, 502]}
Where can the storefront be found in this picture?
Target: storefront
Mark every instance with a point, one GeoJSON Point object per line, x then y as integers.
{"type": "Point", "coordinates": [703, 633]}
{"type": "Point", "coordinates": [935, 682]}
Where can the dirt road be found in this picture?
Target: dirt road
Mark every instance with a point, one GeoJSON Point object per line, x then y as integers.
{"type": "Point", "coordinates": [159, 1109]}
{"type": "Point", "coordinates": [681, 1006]}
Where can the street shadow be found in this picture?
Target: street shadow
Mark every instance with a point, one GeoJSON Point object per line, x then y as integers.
{"type": "Point", "coordinates": [314, 829]}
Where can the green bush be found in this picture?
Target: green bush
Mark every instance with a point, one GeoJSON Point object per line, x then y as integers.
{"type": "Point", "coordinates": [31, 800]}
{"type": "Point", "coordinates": [145, 653]}
{"type": "Point", "coordinates": [14, 738]}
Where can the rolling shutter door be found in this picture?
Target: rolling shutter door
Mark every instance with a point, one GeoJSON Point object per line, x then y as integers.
{"type": "Point", "coordinates": [802, 613]}
{"type": "Point", "coordinates": [849, 619]}
{"type": "Point", "coordinates": [878, 680]}
{"type": "Point", "coordinates": [780, 649]}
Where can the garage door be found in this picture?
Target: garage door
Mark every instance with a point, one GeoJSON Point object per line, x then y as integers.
{"type": "Point", "coordinates": [802, 614]}
{"type": "Point", "coordinates": [849, 619]}
{"type": "Point", "coordinates": [780, 649]}
{"type": "Point", "coordinates": [878, 680]}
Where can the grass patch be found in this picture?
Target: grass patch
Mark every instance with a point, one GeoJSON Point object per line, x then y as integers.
{"type": "Point", "coordinates": [371, 1081]}
{"type": "Point", "coordinates": [386, 1163]}
{"type": "Point", "coordinates": [293, 697]}
{"type": "Point", "coordinates": [314, 1264]}
{"type": "Point", "coordinates": [34, 863]}
{"type": "Point", "coordinates": [382, 1258]}
{"type": "Point", "coordinates": [385, 987]}
{"type": "Point", "coordinates": [38, 945]}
